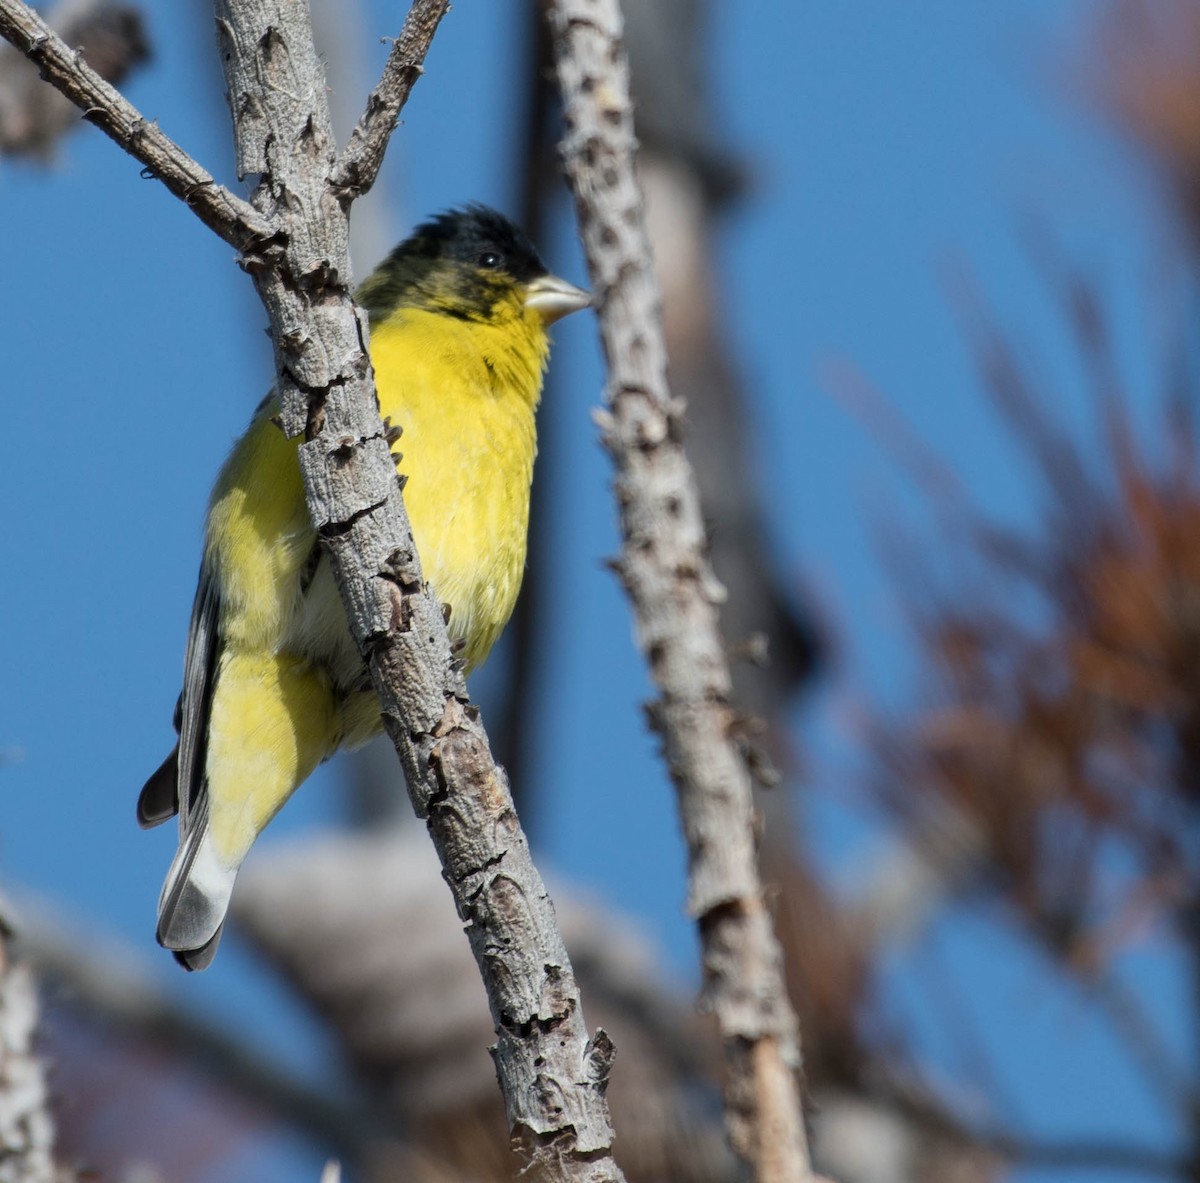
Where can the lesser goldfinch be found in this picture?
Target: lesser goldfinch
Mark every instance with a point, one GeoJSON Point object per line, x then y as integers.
{"type": "Point", "coordinates": [273, 681]}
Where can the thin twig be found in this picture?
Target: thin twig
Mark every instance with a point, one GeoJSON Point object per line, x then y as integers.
{"type": "Point", "coordinates": [1087, 1155]}
{"type": "Point", "coordinates": [33, 117]}
{"type": "Point", "coordinates": [359, 163]}
{"type": "Point", "coordinates": [929, 1120]}
{"type": "Point", "coordinates": [221, 211]}
{"type": "Point", "coordinates": [1145, 1044]}
{"type": "Point", "coordinates": [675, 596]}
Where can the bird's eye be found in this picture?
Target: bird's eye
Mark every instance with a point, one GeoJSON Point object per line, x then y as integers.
{"type": "Point", "coordinates": [490, 259]}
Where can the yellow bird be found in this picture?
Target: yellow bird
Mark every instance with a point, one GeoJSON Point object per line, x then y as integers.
{"type": "Point", "coordinates": [273, 681]}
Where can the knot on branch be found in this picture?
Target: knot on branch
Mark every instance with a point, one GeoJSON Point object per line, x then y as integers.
{"type": "Point", "coordinates": [460, 757]}
{"type": "Point", "coordinates": [399, 568]}
{"type": "Point", "coordinates": [263, 254]}
{"type": "Point", "coordinates": [599, 1057]}
{"type": "Point", "coordinates": [345, 187]}
{"type": "Point", "coordinates": [318, 276]}
{"type": "Point", "coordinates": [746, 731]}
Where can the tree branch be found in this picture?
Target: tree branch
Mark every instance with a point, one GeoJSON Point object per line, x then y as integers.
{"type": "Point", "coordinates": [358, 165]}
{"type": "Point", "coordinates": [26, 1126]}
{"type": "Point", "coordinates": [33, 117]}
{"type": "Point", "coordinates": [1086, 1155]}
{"type": "Point", "coordinates": [229, 216]}
{"type": "Point", "coordinates": [553, 1077]}
{"type": "Point", "coordinates": [666, 572]}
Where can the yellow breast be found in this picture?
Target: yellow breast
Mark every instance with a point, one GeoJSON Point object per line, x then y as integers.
{"type": "Point", "coordinates": [465, 393]}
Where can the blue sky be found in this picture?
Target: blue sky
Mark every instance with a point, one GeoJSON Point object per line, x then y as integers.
{"type": "Point", "coordinates": [882, 145]}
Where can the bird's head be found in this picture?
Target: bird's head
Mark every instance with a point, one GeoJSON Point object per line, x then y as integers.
{"type": "Point", "coordinates": [473, 264]}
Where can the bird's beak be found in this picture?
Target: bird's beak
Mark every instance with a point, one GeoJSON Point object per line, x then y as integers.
{"type": "Point", "coordinates": [553, 298]}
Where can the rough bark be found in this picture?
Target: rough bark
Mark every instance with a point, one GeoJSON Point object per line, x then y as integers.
{"type": "Point", "coordinates": [553, 1077]}
{"type": "Point", "coordinates": [407, 1016]}
{"type": "Point", "coordinates": [359, 164]}
{"type": "Point", "coordinates": [228, 216]}
{"type": "Point", "coordinates": [33, 117]}
{"type": "Point", "coordinates": [675, 596]}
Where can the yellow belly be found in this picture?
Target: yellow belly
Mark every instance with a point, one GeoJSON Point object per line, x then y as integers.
{"type": "Point", "coordinates": [468, 448]}
{"type": "Point", "coordinates": [290, 682]}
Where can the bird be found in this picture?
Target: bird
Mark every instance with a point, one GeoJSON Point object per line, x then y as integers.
{"type": "Point", "coordinates": [273, 682]}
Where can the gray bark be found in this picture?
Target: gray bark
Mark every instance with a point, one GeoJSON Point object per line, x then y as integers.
{"type": "Point", "coordinates": [675, 597]}
{"type": "Point", "coordinates": [33, 117]}
{"type": "Point", "coordinates": [230, 217]}
{"type": "Point", "coordinates": [407, 1016]}
{"type": "Point", "coordinates": [552, 1075]}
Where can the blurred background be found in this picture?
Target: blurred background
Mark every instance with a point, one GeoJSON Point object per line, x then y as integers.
{"type": "Point", "coordinates": [930, 290]}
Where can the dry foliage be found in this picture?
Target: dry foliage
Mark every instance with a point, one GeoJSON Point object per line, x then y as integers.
{"type": "Point", "coordinates": [1053, 766]}
{"type": "Point", "coordinates": [1063, 673]}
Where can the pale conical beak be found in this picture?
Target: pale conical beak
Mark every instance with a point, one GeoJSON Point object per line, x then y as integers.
{"type": "Point", "coordinates": [553, 298]}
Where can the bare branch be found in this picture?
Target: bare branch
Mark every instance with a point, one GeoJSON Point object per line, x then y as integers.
{"type": "Point", "coordinates": [33, 117]}
{"type": "Point", "coordinates": [1131, 1023]}
{"type": "Point", "coordinates": [26, 1127]}
{"type": "Point", "coordinates": [1097, 1155]}
{"type": "Point", "coordinates": [675, 596]}
{"type": "Point", "coordinates": [359, 163]}
{"type": "Point", "coordinates": [229, 216]}
{"type": "Point", "coordinates": [553, 1077]}
{"type": "Point", "coordinates": [410, 1017]}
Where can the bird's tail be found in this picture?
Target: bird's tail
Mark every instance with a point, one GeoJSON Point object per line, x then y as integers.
{"type": "Point", "coordinates": [195, 896]}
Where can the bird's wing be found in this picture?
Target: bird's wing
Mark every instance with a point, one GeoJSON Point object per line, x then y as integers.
{"type": "Point", "coordinates": [190, 911]}
{"type": "Point", "coordinates": [195, 700]}
{"type": "Point", "coordinates": [177, 785]}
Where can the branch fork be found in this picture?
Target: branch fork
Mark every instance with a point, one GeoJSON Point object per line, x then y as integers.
{"type": "Point", "coordinates": [293, 236]}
